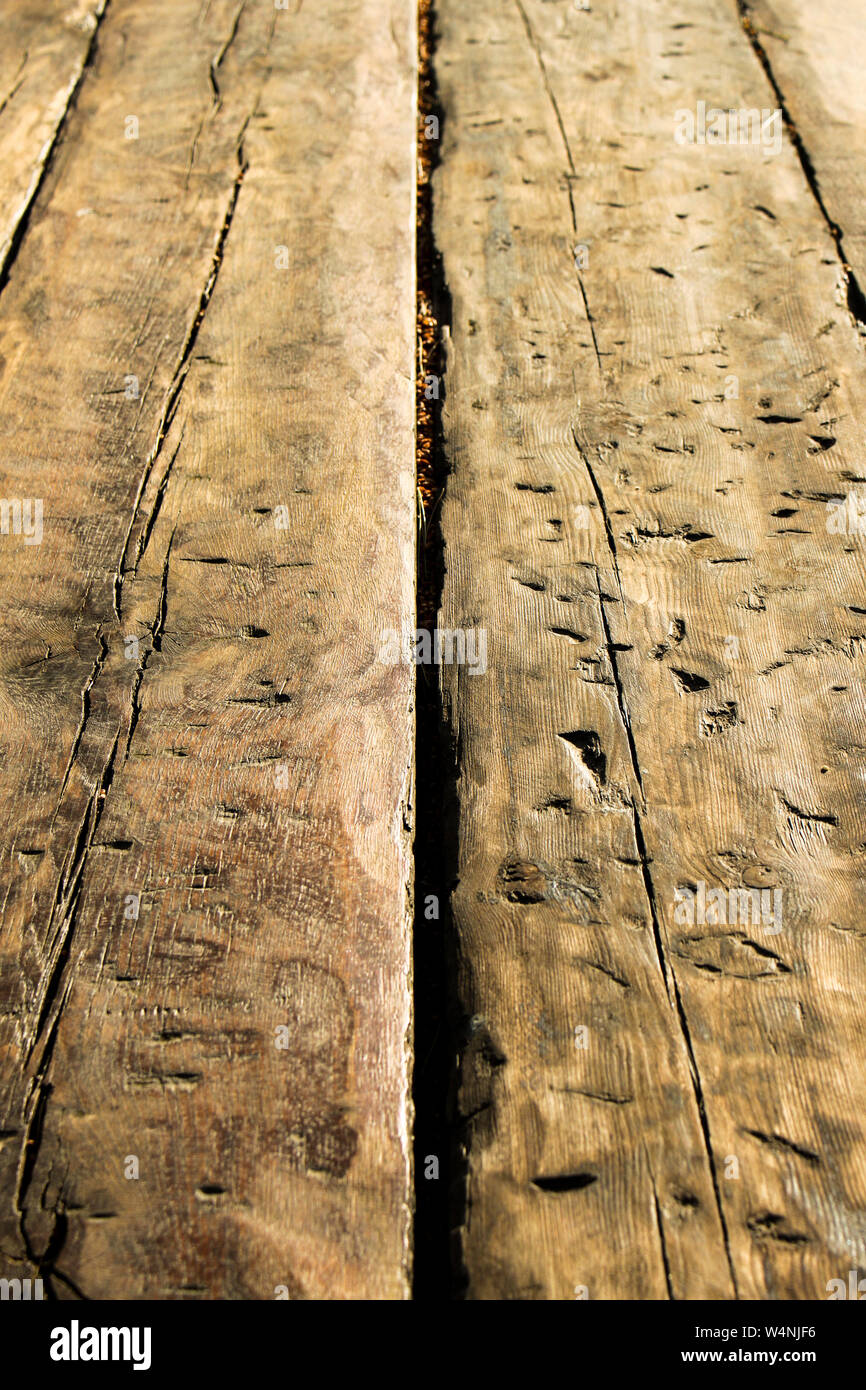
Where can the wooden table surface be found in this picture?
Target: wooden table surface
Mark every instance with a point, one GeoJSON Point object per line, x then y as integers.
{"type": "Point", "coordinates": [207, 333]}
{"type": "Point", "coordinates": [629, 336]}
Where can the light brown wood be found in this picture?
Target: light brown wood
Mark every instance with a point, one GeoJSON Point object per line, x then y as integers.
{"type": "Point", "coordinates": [653, 416]}
{"type": "Point", "coordinates": [47, 46]}
{"type": "Point", "coordinates": [643, 439]}
{"type": "Point", "coordinates": [206, 768]}
{"type": "Point", "coordinates": [815, 57]}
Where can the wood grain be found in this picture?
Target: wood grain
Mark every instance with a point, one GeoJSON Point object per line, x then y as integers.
{"type": "Point", "coordinates": [205, 954]}
{"type": "Point", "coordinates": [47, 46]}
{"type": "Point", "coordinates": [815, 57]}
{"type": "Point", "coordinates": [643, 441]}
{"type": "Point", "coordinates": [653, 419]}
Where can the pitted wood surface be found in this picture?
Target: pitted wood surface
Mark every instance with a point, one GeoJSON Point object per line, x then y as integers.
{"type": "Point", "coordinates": [653, 410]}
{"type": "Point", "coordinates": [644, 434]}
{"type": "Point", "coordinates": [208, 380]}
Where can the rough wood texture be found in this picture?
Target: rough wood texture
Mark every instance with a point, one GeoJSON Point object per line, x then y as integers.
{"type": "Point", "coordinates": [643, 441]}
{"type": "Point", "coordinates": [208, 338]}
{"type": "Point", "coordinates": [815, 57]}
{"type": "Point", "coordinates": [47, 45]}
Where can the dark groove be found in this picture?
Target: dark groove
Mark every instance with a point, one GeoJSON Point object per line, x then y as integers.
{"type": "Point", "coordinates": [572, 171]}
{"type": "Point", "coordinates": [68, 901]}
{"type": "Point", "coordinates": [437, 1201]}
{"type": "Point", "coordinates": [669, 977]}
{"type": "Point", "coordinates": [533, 43]}
{"type": "Point", "coordinates": [649, 889]}
{"type": "Point", "coordinates": [599, 497]}
{"type": "Point", "coordinates": [778, 1141]}
{"type": "Point", "coordinates": [856, 300]}
{"type": "Point", "coordinates": [819, 817]}
{"type": "Point", "coordinates": [216, 63]}
{"type": "Point", "coordinates": [98, 664]}
{"type": "Point", "coordinates": [67, 897]}
{"type": "Point", "coordinates": [565, 1182]}
{"type": "Point", "coordinates": [157, 629]}
{"type": "Point", "coordinates": [676, 999]}
{"type": "Point", "coordinates": [664, 1249]}
{"type": "Point", "coordinates": [620, 692]}
{"type": "Point", "coordinates": [179, 378]}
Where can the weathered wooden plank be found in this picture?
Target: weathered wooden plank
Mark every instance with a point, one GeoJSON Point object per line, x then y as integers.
{"type": "Point", "coordinates": [643, 435]}
{"type": "Point", "coordinates": [45, 52]}
{"type": "Point", "coordinates": [205, 929]}
{"type": "Point", "coordinates": [815, 58]}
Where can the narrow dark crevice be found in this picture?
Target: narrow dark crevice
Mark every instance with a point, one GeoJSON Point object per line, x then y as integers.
{"type": "Point", "coordinates": [65, 908]}
{"type": "Point", "coordinates": [565, 1182]}
{"type": "Point", "coordinates": [622, 706]}
{"type": "Point", "coordinates": [178, 380]}
{"type": "Point", "coordinates": [682, 1017]}
{"type": "Point", "coordinates": [95, 673]}
{"type": "Point", "coordinates": [645, 861]}
{"type": "Point", "coordinates": [855, 298]}
{"type": "Point", "coordinates": [551, 96]}
{"type": "Point", "coordinates": [157, 629]}
{"type": "Point", "coordinates": [663, 1247]}
{"type": "Point", "coordinates": [599, 497]}
{"type": "Point", "coordinates": [435, 792]}
{"type": "Point", "coordinates": [55, 995]}
{"type": "Point", "coordinates": [571, 175]}
{"type": "Point", "coordinates": [217, 61]}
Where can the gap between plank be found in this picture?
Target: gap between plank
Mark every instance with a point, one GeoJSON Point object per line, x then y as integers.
{"type": "Point", "coordinates": [435, 794]}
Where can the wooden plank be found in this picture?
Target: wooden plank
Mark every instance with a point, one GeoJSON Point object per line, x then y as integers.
{"type": "Point", "coordinates": [46, 50]}
{"type": "Point", "coordinates": [643, 436]}
{"type": "Point", "coordinates": [205, 930]}
{"type": "Point", "coordinates": [815, 61]}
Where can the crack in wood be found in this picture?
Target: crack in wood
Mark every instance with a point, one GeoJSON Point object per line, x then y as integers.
{"type": "Point", "coordinates": [178, 379]}
{"type": "Point", "coordinates": [855, 297]}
